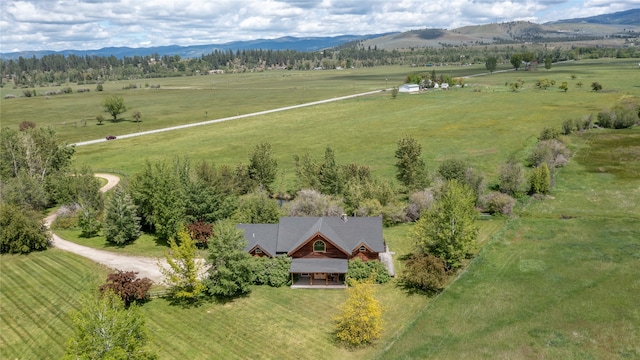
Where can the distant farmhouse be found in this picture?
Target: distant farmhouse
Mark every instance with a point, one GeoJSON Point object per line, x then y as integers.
{"type": "Point", "coordinates": [320, 247]}
{"type": "Point", "coordinates": [409, 88]}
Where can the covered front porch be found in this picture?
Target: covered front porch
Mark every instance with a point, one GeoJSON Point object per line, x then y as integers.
{"type": "Point", "coordinates": [318, 273]}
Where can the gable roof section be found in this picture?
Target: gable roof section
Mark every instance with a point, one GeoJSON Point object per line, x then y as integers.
{"type": "Point", "coordinates": [293, 232]}
{"type": "Point", "coordinates": [264, 236]}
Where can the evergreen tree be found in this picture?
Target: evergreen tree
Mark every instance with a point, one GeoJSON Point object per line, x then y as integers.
{"type": "Point", "coordinates": [411, 169]}
{"type": "Point", "coordinates": [330, 176]}
{"type": "Point", "coordinates": [263, 166]}
{"type": "Point", "coordinates": [230, 267]}
{"type": "Point", "coordinates": [122, 224]}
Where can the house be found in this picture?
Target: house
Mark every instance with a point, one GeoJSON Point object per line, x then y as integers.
{"type": "Point", "coordinates": [409, 88]}
{"type": "Point", "coordinates": [320, 247]}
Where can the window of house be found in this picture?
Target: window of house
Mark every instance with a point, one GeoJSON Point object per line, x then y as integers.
{"type": "Point", "coordinates": [363, 249]}
{"type": "Point", "coordinates": [258, 251]}
{"type": "Point", "coordinates": [319, 246]}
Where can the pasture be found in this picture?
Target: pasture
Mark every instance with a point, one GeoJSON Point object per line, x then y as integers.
{"type": "Point", "coordinates": [559, 280]}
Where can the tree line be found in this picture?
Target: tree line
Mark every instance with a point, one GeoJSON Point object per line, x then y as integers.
{"type": "Point", "coordinates": [60, 69]}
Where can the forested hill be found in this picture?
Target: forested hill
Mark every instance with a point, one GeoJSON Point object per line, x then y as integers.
{"type": "Point", "coordinates": [300, 44]}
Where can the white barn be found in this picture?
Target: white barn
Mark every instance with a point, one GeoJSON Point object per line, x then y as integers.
{"type": "Point", "coordinates": [409, 88]}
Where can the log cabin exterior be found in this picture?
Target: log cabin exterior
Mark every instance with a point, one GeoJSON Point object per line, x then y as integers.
{"type": "Point", "coordinates": [320, 247]}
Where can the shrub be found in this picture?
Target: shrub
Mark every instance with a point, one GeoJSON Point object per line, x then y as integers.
{"type": "Point", "coordinates": [424, 272]}
{"type": "Point", "coordinates": [200, 231]}
{"type": "Point", "coordinates": [548, 134]}
{"type": "Point", "coordinates": [606, 118]}
{"type": "Point", "coordinates": [363, 270]}
{"type": "Point", "coordinates": [512, 178]}
{"type": "Point", "coordinates": [497, 202]}
{"type": "Point", "coordinates": [596, 86]}
{"type": "Point", "coordinates": [99, 87]}
{"type": "Point", "coordinates": [394, 213]}
{"type": "Point", "coordinates": [127, 286]}
{"type": "Point", "coordinates": [552, 152]}
{"type": "Point", "coordinates": [27, 93]}
{"type": "Point", "coordinates": [26, 125]}
{"type": "Point", "coordinates": [541, 179]}
{"type": "Point", "coordinates": [567, 127]}
{"type": "Point", "coordinates": [419, 201]}
{"type": "Point", "coordinates": [313, 203]}
{"type": "Point", "coordinates": [625, 116]}
{"type": "Point", "coordinates": [100, 119]}
{"type": "Point", "coordinates": [21, 230]}
{"type": "Point", "coordinates": [66, 217]}
{"type": "Point", "coordinates": [271, 271]}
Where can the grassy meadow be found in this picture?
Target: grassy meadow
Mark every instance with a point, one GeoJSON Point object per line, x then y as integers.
{"type": "Point", "coordinates": [558, 280]}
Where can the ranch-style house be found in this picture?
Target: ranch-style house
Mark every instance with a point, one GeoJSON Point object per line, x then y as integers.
{"type": "Point", "coordinates": [320, 247]}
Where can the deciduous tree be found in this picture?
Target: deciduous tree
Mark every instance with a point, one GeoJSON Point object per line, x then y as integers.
{"type": "Point", "coordinates": [183, 272]}
{"type": "Point", "coordinates": [128, 286]}
{"type": "Point", "coordinates": [21, 230]}
{"type": "Point", "coordinates": [448, 230]}
{"type": "Point", "coordinates": [516, 61]}
{"type": "Point", "coordinates": [114, 105]}
{"type": "Point", "coordinates": [360, 319]}
{"type": "Point", "coordinates": [491, 64]}
{"type": "Point", "coordinates": [105, 329]}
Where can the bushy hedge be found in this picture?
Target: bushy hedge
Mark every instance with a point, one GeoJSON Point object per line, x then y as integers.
{"type": "Point", "coordinates": [362, 270]}
{"type": "Point", "coordinates": [21, 230]}
{"type": "Point", "coordinates": [271, 271]}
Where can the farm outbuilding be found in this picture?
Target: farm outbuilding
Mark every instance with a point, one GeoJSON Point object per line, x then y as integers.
{"type": "Point", "coordinates": [409, 88]}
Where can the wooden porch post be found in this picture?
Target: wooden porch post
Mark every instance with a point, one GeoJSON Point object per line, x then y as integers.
{"type": "Point", "coordinates": [291, 278]}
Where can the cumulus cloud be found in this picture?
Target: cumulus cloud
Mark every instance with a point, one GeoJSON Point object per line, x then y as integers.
{"type": "Point", "coordinates": [92, 24]}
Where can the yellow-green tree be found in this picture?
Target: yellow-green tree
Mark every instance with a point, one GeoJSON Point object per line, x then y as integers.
{"type": "Point", "coordinates": [360, 319]}
{"type": "Point", "coordinates": [182, 275]}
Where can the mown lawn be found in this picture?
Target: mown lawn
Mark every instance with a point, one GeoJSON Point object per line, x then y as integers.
{"type": "Point", "coordinates": [37, 292]}
{"type": "Point", "coordinates": [560, 281]}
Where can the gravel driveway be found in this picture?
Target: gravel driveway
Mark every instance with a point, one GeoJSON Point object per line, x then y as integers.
{"type": "Point", "coordinates": [145, 266]}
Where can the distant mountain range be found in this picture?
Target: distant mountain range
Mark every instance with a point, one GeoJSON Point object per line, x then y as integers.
{"type": "Point", "coordinates": [629, 17]}
{"type": "Point", "coordinates": [594, 26]}
{"type": "Point", "coordinates": [302, 44]}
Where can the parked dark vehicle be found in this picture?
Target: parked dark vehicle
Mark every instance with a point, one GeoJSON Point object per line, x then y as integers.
{"type": "Point", "coordinates": [111, 137]}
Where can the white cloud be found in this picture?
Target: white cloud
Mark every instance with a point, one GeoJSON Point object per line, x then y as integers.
{"type": "Point", "coordinates": [91, 24]}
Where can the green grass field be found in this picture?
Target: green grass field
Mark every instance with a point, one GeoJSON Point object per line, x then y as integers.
{"type": "Point", "coordinates": [560, 280]}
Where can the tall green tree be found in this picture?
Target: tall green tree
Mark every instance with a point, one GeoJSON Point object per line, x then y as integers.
{"type": "Point", "coordinates": [30, 162]}
{"type": "Point", "coordinates": [547, 62]}
{"type": "Point", "coordinates": [114, 105]}
{"type": "Point", "coordinates": [230, 267]}
{"type": "Point", "coordinates": [257, 208]}
{"type": "Point", "coordinates": [329, 174]}
{"type": "Point", "coordinates": [516, 61]}
{"type": "Point", "coordinates": [541, 179]}
{"type": "Point", "coordinates": [183, 271]}
{"type": "Point", "coordinates": [360, 319]}
{"type": "Point", "coordinates": [491, 64]}
{"type": "Point", "coordinates": [121, 223]}
{"type": "Point", "coordinates": [448, 230]}
{"type": "Point", "coordinates": [105, 329]}
{"type": "Point", "coordinates": [411, 170]}
{"type": "Point", "coordinates": [263, 167]}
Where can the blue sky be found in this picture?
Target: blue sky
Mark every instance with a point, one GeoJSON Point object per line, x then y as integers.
{"type": "Point", "coordinates": [93, 24]}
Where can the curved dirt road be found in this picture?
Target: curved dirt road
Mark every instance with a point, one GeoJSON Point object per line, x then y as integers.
{"type": "Point", "coordinates": [145, 266]}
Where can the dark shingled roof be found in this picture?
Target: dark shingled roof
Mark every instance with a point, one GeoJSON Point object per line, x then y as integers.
{"type": "Point", "coordinates": [302, 265]}
{"type": "Point", "coordinates": [348, 234]}
{"type": "Point", "coordinates": [263, 235]}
